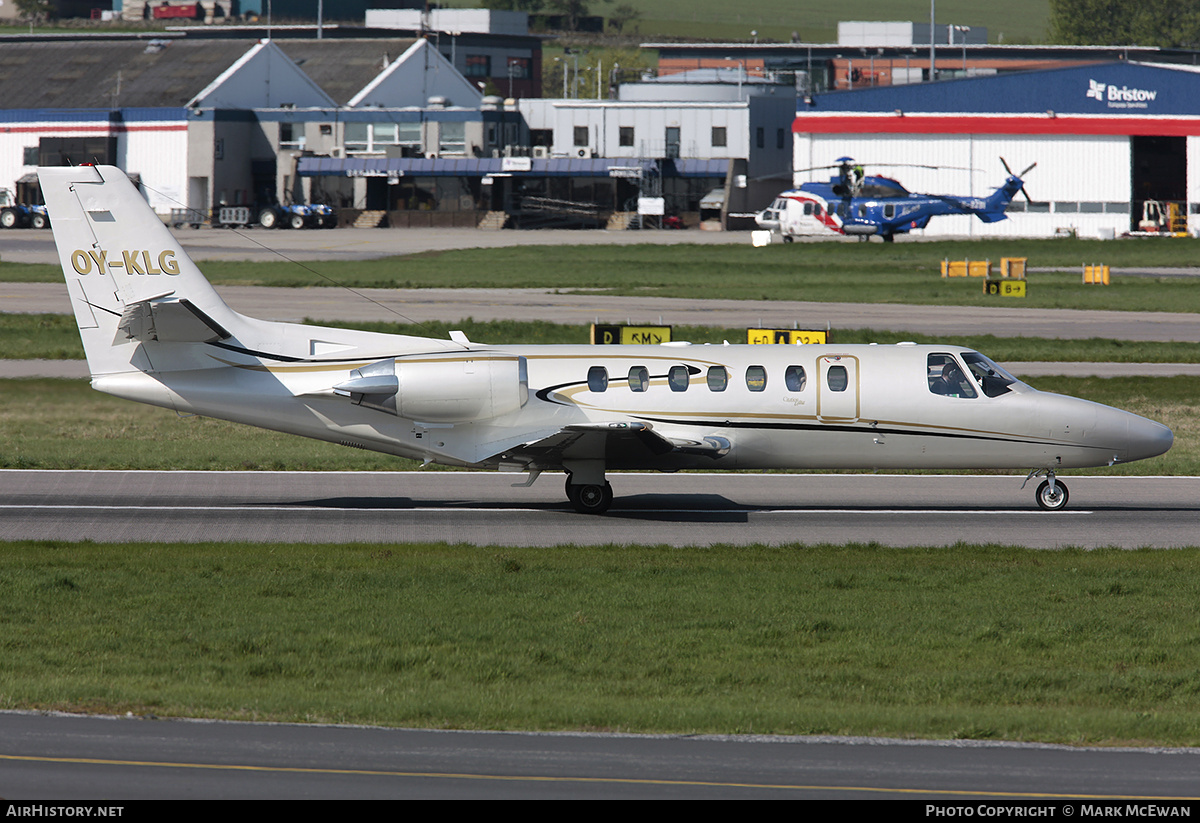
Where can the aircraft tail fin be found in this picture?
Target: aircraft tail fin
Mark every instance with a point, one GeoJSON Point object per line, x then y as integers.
{"type": "Point", "coordinates": [997, 203]}
{"type": "Point", "coordinates": [128, 278]}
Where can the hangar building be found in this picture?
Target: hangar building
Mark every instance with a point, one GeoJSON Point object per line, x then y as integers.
{"type": "Point", "coordinates": [1105, 137]}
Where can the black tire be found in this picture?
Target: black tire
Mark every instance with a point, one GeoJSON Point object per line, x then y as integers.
{"type": "Point", "coordinates": [297, 221]}
{"type": "Point", "coordinates": [590, 498]}
{"type": "Point", "coordinates": [268, 219]}
{"type": "Point", "coordinates": [39, 221]}
{"type": "Point", "coordinates": [10, 218]}
{"type": "Point", "coordinates": [1052, 501]}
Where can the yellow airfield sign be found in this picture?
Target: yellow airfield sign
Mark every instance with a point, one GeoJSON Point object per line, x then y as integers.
{"type": "Point", "coordinates": [630, 335]}
{"type": "Point", "coordinates": [786, 336]}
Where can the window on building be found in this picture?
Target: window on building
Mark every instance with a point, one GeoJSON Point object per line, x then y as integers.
{"type": "Point", "coordinates": [478, 65]}
{"type": "Point", "coordinates": [756, 378]}
{"type": "Point", "coordinates": [374, 138]}
{"type": "Point", "coordinates": [626, 135]}
{"type": "Point", "coordinates": [358, 137]}
{"type": "Point", "coordinates": [291, 135]}
{"type": "Point", "coordinates": [760, 137]}
{"type": "Point", "coordinates": [779, 140]}
{"type": "Point", "coordinates": [518, 68]}
{"type": "Point", "coordinates": [718, 137]}
{"type": "Point", "coordinates": [581, 135]}
{"type": "Point", "coordinates": [385, 134]}
{"type": "Point", "coordinates": [452, 138]}
{"type": "Point", "coordinates": [30, 156]}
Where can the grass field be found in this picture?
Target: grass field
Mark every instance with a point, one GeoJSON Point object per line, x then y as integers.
{"type": "Point", "coordinates": [1017, 21]}
{"type": "Point", "coordinates": [64, 424]}
{"type": "Point", "coordinates": [822, 272]}
{"type": "Point", "coordinates": [1099, 647]}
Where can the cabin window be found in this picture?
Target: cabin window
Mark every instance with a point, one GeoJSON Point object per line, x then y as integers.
{"type": "Point", "coordinates": [862, 211]}
{"type": "Point", "coordinates": [946, 377]}
{"type": "Point", "coordinates": [639, 378]}
{"type": "Point", "coordinates": [816, 209]}
{"type": "Point", "coordinates": [677, 378]}
{"type": "Point", "coordinates": [756, 378]}
{"type": "Point", "coordinates": [597, 379]}
{"type": "Point", "coordinates": [808, 208]}
{"type": "Point", "coordinates": [718, 378]}
{"type": "Point", "coordinates": [837, 378]}
{"type": "Point", "coordinates": [889, 211]}
{"type": "Point", "coordinates": [794, 378]}
{"type": "Point", "coordinates": [994, 380]}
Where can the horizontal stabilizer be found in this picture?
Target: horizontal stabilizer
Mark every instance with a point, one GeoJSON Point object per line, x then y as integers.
{"type": "Point", "coordinates": [168, 319]}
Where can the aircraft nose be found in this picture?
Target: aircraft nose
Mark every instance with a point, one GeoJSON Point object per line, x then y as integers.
{"type": "Point", "coordinates": [1147, 439]}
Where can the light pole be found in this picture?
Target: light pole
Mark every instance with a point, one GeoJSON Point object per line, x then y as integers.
{"type": "Point", "coordinates": [963, 31]}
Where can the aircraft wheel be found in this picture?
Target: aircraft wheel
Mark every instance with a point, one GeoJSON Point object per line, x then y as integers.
{"type": "Point", "coordinates": [1052, 500]}
{"type": "Point", "coordinates": [889, 238]}
{"type": "Point", "coordinates": [590, 498]}
{"type": "Point", "coordinates": [787, 238]}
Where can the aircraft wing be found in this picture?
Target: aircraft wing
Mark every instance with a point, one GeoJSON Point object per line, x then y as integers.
{"type": "Point", "coordinates": [622, 442]}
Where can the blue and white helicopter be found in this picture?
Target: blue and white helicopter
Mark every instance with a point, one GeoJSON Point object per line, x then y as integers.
{"type": "Point", "coordinates": [853, 203]}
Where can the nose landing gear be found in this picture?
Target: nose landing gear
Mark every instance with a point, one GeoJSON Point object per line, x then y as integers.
{"type": "Point", "coordinates": [1051, 495]}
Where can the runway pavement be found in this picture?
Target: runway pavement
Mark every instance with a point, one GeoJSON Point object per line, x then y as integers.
{"type": "Point", "coordinates": [72, 758]}
{"type": "Point", "coordinates": [684, 509]}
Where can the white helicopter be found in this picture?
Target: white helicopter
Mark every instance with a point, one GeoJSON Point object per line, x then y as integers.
{"type": "Point", "coordinates": [156, 332]}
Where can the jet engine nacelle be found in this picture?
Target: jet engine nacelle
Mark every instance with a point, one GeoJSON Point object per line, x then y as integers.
{"type": "Point", "coordinates": [449, 388]}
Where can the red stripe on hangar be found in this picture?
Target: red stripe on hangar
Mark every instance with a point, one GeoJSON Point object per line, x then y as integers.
{"type": "Point", "coordinates": [1044, 123]}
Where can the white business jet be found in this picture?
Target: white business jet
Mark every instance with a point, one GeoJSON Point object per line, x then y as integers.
{"type": "Point", "coordinates": [156, 332]}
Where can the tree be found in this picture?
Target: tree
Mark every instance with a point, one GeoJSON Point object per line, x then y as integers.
{"type": "Point", "coordinates": [34, 11]}
{"type": "Point", "coordinates": [623, 15]}
{"type": "Point", "coordinates": [1162, 23]}
{"type": "Point", "coordinates": [530, 6]}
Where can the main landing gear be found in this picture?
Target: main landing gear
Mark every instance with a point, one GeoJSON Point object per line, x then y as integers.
{"type": "Point", "coordinates": [1051, 495]}
{"type": "Point", "coordinates": [590, 498]}
{"type": "Point", "coordinates": [587, 489]}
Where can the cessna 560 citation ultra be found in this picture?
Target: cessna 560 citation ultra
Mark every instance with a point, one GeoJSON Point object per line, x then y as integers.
{"type": "Point", "coordinates": [155, 331]}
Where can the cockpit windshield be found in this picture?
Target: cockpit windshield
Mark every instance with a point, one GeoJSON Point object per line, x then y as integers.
{"type": "Point", "coordinates": [994, 380]}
